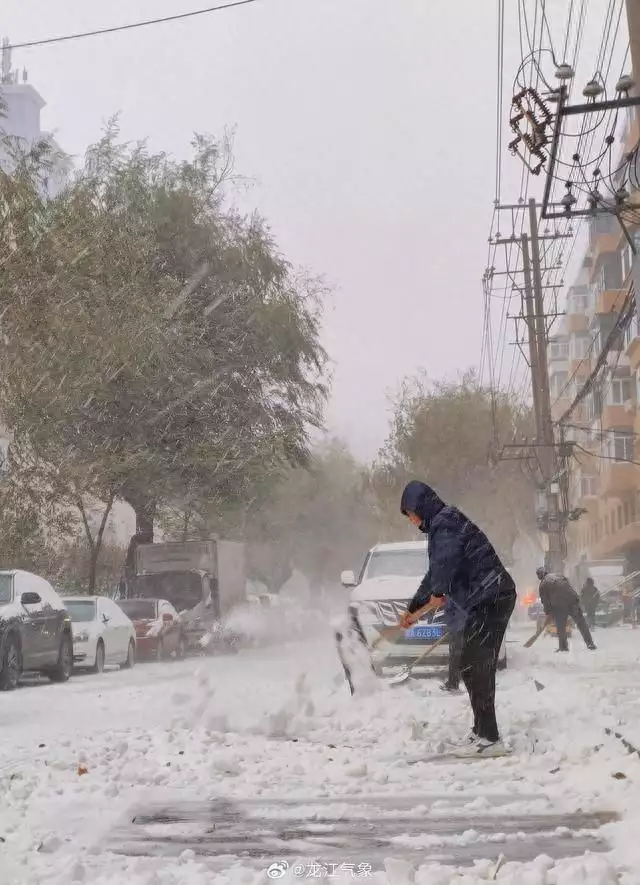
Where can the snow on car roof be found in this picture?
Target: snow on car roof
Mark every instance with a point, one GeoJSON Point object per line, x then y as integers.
{"type": "Point", "coordinates": [399, 546]}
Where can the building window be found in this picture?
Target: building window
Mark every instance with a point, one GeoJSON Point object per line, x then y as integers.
{"type": "Point", "coordinates": [620, 391]}
{"type": "Point", "coordinates": [588, 486]}
{"type": "Point", "coordinates": [593, 404]}
{"type": "Point", "coordinates": [627, 513]}
{"type": "Point", "coordinates": [578, 303]}
{"type": "Point", "coordinates": [619, 517]}
{"type": "Point", "coordinates": [621, 445]}
{"type": "Point", "coordinates": [559, 381]}
{"type": "Point", "coordinates": [580, 347]}
{"type": "Point", "coordinates": [559, 350]}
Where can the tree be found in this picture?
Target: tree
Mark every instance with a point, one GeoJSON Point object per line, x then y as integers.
{"type": "Point", "coordinates": [318, 518]}
{"type": "Point", "coordinates": [321, 516]}
{"type": "Point", "coordinates": [156, 343]}
{"type": "Point", "coordinates": [59, 507]}
{"type": "Point", "coordinates": [443, 432]}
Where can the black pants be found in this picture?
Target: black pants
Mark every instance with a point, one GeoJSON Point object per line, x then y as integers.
{"type": "Point", "coordinates": [590, 615]}
{"type": "Point", "coordinates": [561, 616]}
{"type": "Point", "coordinates": [482, 638]}
{"type": "Point", "coordinates": [455, 654]}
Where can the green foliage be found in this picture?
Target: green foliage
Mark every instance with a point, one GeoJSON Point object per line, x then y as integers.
{"type": "Point", "coordinates": [443, 433]}
{"type": "Point", "coordinates": [157, 348]}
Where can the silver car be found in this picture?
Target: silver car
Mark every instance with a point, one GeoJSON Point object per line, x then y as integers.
{"type": "Point", "coordinates": [380, 595]}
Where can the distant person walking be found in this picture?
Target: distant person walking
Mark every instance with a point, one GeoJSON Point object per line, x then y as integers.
{"type": "Point", "coordinates": [590, 599]}
{"type": "Point", "coordinates": [561, 602]}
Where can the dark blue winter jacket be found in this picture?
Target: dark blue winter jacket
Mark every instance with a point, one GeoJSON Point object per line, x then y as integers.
{"type": "Point", "coordinates": [463, 566]}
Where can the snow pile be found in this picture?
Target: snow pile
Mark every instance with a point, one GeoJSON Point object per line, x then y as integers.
{"type": "Point", "coordinates": [279, 724]}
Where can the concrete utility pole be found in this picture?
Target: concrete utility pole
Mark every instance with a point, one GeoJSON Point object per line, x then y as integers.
{"type": "Point", "coordinates": [548, 457]}
{"type": "Point", "coordinates": [531, 330]}
{"type": "Point", "coordinates": [633, 22]}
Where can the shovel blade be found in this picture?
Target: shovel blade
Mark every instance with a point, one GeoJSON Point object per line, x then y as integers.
{"type": "Point", "coordinates": [399, 678]}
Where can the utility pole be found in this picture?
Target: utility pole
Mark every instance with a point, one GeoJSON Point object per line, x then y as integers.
{"type": "Point", "coordinates": [633, 22]}
{"type": "Point", "coordinates": [530, 320]}
{"type": "Point", "coordinates": [540, 387]}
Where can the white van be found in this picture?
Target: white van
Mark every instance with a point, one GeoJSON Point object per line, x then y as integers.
{"type": "Point", "coordinates": [381, 593]}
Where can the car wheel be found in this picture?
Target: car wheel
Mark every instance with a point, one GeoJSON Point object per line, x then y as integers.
{"type": "Point", "coordinates": [98, 667]}
{"type": "Point", "coordinates": [11, 666]}
{"type": "Point", "coordinates": [62, 670]}
{"type": "Point", "coordinates": [130, 662]}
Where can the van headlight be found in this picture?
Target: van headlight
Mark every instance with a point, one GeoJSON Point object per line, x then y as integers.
{"type": "Point", "coordinates": [82, 636]}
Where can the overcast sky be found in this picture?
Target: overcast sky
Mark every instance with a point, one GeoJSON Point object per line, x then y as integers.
{"type": "Point", "coordinates": [368, 126]}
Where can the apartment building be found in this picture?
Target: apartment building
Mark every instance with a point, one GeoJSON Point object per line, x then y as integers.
{"type": "Point", "coordinates": [604, 477]}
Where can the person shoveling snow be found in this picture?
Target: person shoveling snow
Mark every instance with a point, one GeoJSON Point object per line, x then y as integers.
{"type": "Point", "coordinates": [465, 569]}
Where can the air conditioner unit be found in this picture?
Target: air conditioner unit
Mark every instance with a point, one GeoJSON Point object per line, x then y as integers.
{"type": "Point", "coordinates": [629, 406]}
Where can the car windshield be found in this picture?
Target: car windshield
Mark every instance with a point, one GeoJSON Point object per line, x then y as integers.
{"type": "Point", "coordinates": [6, 589]}
{"type": "Point", "coordinates": [81, 610]}
{"type": "Point", "coordinates": [402, 563]}
{"type": "Point", "coordinates": [138, 609]}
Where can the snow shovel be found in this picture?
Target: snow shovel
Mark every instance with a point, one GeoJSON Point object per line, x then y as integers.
{"type": "Point", "coordinates": [538, 633]}
{"type": "Point", "coordinates": [405, 673]}
{"type": "Point", "coordinates": [391, 632]}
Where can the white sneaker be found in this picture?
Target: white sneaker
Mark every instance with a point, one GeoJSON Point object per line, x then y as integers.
{"type": "Point", "coordinates": [482, 748]}
{"type": "Point", "coordinates": [468, 740]}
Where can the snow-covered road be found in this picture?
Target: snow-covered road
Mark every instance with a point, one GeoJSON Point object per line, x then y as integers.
{"type": "Point", "coordinates": [208, 771]}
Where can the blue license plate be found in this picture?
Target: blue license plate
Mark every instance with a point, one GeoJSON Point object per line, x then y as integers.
{"type": "Point", "coordinates": [428, 632]}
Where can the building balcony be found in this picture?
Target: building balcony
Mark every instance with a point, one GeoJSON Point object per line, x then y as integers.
{"type": "Point", "coordinates": [617, 542]}
{"type": "Point", "coordinates": [576, 323]}
{"type": "Point", "coordinates": [610, 300]}
{"type": "Point", "coordinates": [619, 479]}
{"type": "Point", "coordinates": [586, 495]}
{"type": "Point", "coordinates": [618, 416]}
{"type": "Point", "coordinates": [604, 244]}
{"type": "Point", "coordinates": [579, 368]}
{"type": "Point", "coordinates": [632, 349]}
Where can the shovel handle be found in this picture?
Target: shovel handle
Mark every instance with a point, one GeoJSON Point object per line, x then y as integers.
{"type": "Point", "coordinates": [425, 654]}
{"type": "Point", "coordinates": [390, 632]}
{"type": "Point", "coordinates": [538, 633]}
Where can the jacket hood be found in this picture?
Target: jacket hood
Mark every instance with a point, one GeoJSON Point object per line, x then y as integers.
{"type": "Point", "coordinates": [420, 498]}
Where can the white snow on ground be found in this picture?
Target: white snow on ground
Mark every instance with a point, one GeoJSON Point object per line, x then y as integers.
{"type": "Point", "coordinates": [75, 758]}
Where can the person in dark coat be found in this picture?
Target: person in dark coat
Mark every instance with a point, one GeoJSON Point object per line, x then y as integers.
{"type": "Point", "coordinates": [590, 599]}
{"type": "Point", "coordinates": [561, 602]}
{"type": "Point", "coordinates": [465, 570]}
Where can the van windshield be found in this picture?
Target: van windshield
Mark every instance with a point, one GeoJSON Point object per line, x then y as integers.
{"type": "Point", "coordinates": [392, 563]}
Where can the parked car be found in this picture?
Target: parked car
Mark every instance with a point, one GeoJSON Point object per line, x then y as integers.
{"type": "Point", "coordinates": [380, 595]}
{"type": "Point", "coordinates": [102, 633]}
{"type": "Point", "coordinates": [35, 630]}
{"type": "Point", "coordinates": [159, 630]}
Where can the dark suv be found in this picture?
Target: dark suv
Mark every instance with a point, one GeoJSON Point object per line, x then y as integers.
{"type": "Point", "coordinates": [35, 630]}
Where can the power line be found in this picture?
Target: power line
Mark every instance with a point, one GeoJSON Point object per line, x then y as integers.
{"type": "Point", "coordinates": [141, 24]}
